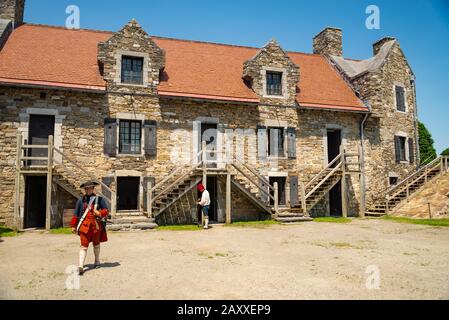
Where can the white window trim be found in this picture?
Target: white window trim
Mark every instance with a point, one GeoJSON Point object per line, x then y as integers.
{"type": "Point", "coordinates": [397, 84]}
{"type": "Point", "coordinates": [406, 148]}
{"type": "Point", "coordinates": [284, 82]}
{"type": "Point", "coordinates": [57, 135]}
{"type": "Point", "coordinates": [134, 117]}
{"type": "Point", "coordinates": [392, 175]}
{"type": "Point", "coordinates": [118, 67]}
{"type": "Point", "coordinates": [281, 174]}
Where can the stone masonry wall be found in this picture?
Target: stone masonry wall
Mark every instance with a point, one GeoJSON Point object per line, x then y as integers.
{"type": "Point", "coordinates": [83, 133]}
{"type": "Point", "coordinates": [378, 89]}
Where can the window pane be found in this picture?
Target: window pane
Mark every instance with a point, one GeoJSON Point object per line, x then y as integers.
{"type": "Point", "coordinates": [132, 70]}
{"type": "Point", "coordinates": [130, 136]}
{"type": "Point", "coordinates": [274, 83]}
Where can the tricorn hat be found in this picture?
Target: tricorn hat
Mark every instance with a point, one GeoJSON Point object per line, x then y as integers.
{"type": "Point", "coordinates": [88, 184]}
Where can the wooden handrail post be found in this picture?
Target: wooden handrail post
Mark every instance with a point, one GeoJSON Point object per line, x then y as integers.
{"type": "Point", "coordinates": [344, 198]}
{"type": "Point", "coordinates": [386, 206]}
{"type": "Point", "coordinates": [49, 183]}
{"type": "Point", "coordinates": [150, 199]}
{"type": "Point", "coordinates": [276, 198]}
{"type": "Point", "coordinates": [113, 199]}
{"type": "Point", "coordinates": [204, 159]}
{"type": "Point", "coordinates": [17, 189]}
{"type": "Point", "coordinates": [303, 200]}
{"type": "Point", "coordinates": [228, 198]}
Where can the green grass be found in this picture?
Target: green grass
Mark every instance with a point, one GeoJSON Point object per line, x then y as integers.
{"type": "Point", "coordinates": [61, 231]}
{"type": "Point", "coordinates": [332, 219]}
{"type": "Point", "coordinates": [188, 227]}
{"type": "Point", "coordinates": [7, 232]}
{"type": "Point", "coordinates": [253, 224]}
{"type": "Point", "coordinates": [428, 222]}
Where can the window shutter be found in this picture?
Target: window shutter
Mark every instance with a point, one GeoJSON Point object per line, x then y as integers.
{"type": "Point", "coordinates": [397, 149]}
{"type": "Point", "coordinates": [291, 143]}
{"type": "Point", "coordinates": [294, 191]}
{"type": "Point", "coordinates": [150, 136]}
{"type": "Point", "coordinates": [107, 181]}
{"type": "Point", "coordinates": [400, 98]}
{"type": "Point", "coordinates": [110, 137]}
{"type": "Point", "coordinates": [145, 190]}
{"type": "Point", "coordinates": [411, 151]}
{"type": "Point", "coordinates": [262, 142]}
{"type": "Point", "coordinates": [263, 195]}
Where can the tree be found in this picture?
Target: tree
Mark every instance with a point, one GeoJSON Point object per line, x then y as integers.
{"type": "Point", "coordinates": [445, 152]}
{"type": "Point", "coordinates": [427, 151]}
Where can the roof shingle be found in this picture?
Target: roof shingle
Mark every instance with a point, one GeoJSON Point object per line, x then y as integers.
{"type": "Point", "coordinates": [55, 56]}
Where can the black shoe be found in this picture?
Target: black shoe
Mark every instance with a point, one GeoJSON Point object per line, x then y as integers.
{"type": "Point", "coordinates": [97, 266]}
{"type": "Point", "coordinates": [80, 271]}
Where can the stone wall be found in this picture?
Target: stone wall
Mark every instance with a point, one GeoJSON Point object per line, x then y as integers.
{"type": "Point", "coordinates": [82, 134]}
{"type": "Point", "coordinates": [377, 88]}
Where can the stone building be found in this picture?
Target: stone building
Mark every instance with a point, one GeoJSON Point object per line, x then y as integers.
{"type": "Point", "coordinates": [272, 133]}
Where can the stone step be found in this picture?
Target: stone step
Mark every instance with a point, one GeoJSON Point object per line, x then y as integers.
{"type": "Point", "coordinates": [375, 214]}
{"type": "Point", "coordinates": [293, 219]}
{"type": "Point", "coordinates": [132, 226]}
{"type": "Point", "coordinates": [131, 220]}
{"type": "Point", "coordinates": [128, 214]}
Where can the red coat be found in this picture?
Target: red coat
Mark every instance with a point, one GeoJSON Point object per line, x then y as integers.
{"type": "Point", "coordinates": [91, 224]}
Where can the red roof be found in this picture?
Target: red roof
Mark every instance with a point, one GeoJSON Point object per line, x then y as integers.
{"type": "Point", "coordinates": [55, 56]}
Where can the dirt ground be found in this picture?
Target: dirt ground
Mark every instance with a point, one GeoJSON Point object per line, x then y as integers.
{"type": "Point", "coordinates": [303, 261]}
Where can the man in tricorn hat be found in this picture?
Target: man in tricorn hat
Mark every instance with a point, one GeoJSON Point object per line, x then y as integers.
{"type": "Point", "coordinates": [87, 223]}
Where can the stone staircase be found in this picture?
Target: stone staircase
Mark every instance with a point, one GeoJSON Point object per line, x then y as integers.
{"type": "Point", "coordinates": [403, 190]}
{"type": "Point", "coordinates": [130, 221]}
{"type": "Point", "coordinates": [169, 198]}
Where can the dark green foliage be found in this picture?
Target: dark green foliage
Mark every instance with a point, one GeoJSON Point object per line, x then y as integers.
{"type": "Point", "coordinates": [426, 149]}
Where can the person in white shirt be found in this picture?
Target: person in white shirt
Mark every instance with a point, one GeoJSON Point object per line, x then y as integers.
{"type": "Point", "coordinates": [205, 204]}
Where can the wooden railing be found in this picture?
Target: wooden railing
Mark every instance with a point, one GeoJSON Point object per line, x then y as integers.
{"type": "Point", "coordinates": [26, 164]}
{"type": "Point", "coordinates": [271, 191]}
{"type": "Point", "coordinates": [440, 163]}
{"type": "Point", "coordinates": [179, 175]}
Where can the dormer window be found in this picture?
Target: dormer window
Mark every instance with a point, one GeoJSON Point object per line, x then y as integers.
{"type": "Point", "coordinates": [274, 83]}
{"type": "Point", "coordinates": [132, 70]}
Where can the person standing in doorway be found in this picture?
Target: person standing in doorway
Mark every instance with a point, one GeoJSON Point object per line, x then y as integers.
{"type": "Point", "coordinates": [88, 222]}
{"type": "Point", "coordinates": [205, 204]}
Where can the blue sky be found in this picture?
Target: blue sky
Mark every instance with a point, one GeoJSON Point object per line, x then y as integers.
{"type": "Point", "coordinates": [421, 26]}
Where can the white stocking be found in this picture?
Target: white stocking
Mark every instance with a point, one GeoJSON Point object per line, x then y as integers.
{"type": "Point", "coordinates": [83, 254]}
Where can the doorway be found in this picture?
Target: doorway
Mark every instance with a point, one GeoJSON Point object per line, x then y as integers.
{"type": "Point", "coordinates": [281, 189]}
{"type": "Point", "coordinates": [128, 193]}
{"type": "Point", "coordinates": [40, 128]}
{"type": "Point", "coordinates": [211, 186]}
{"type": "Point", "coordinates": [35, 201]}
{"type": "Point", "coordinates": [209, 134]}
{"type": "Point", "coordinates": [333, 150]}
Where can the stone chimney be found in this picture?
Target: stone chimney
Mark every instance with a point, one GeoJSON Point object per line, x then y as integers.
{"type": "Point", "coordinates": [378, 44]}
{"type": "Point", "coordinates": [328, 42]}
{"type": "Point", "coordinates": [12, 10]}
